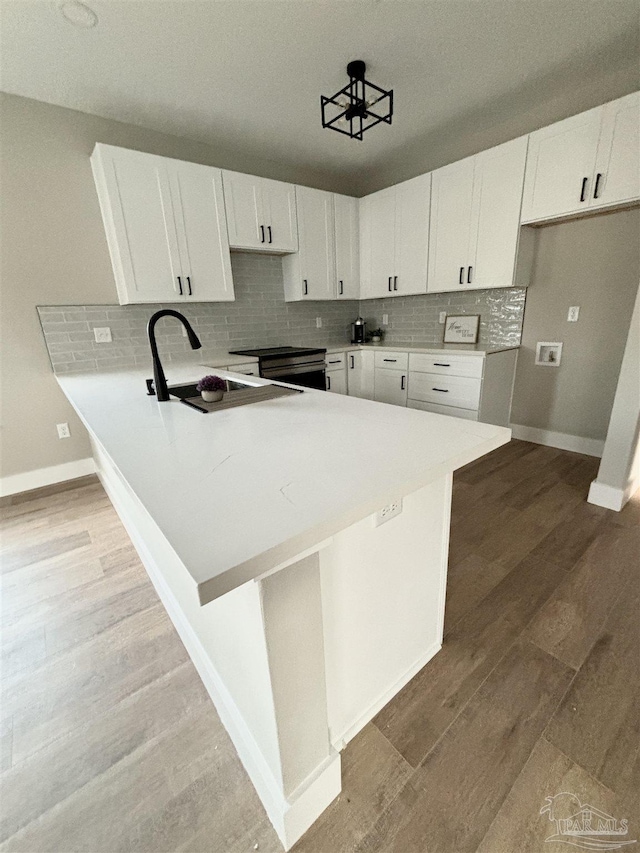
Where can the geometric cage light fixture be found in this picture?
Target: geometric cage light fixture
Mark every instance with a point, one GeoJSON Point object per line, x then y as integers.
{"type": "Point", "coordinates": [359, 106]}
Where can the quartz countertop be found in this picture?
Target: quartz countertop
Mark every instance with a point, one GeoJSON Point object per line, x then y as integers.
{"type": "Point", "coordinates": [467, 349]}
{"type": "Point", "coordinates": [238, 492]}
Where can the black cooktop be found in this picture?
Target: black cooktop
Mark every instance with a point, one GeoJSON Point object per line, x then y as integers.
{"type": "Point", "coordinates": [271, 352]}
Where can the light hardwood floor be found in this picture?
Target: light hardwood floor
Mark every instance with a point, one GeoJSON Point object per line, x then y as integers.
{"type": "Point", "coordinates": [110, 743]}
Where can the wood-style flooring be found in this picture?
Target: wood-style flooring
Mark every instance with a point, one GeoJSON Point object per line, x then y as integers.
{"type": "Point", "coordinates": [110, 742]}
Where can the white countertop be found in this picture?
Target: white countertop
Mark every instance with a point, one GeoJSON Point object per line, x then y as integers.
{"type": "Point", "coordinates": [466, 349]}
{"type": "Point", "coordinates": [237, 492]}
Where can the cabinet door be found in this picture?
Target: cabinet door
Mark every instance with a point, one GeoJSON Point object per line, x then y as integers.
{"type": "Point", "coordinates": [360, 374]}
{"type": "Point", "coordinates": [347, 247]}
{"type": "Point", "coordinates": [497, 198]}
{"type": "Point", "coordinates": [412, 236]}
{"type": "Point", "coordinates": [380, 225]}
{"type": "Point", "coordinates": [279, 206]}
{"type": "Point", "coordinates": [390, 386]}
{"type": "Point", "coordinates": [450, 233]}
{"type": "Point", "coordinates": [135, 199]}
{"type": "Point", "coordinates": [618, 161]}
{"type": "Point", "coordinates": [317, 243]}
{"type": "Point", "coordinates": [336, 381]}
{"type": "Point", "coordinates": [198, 202]}
{"type": "Point", "coordinates": [560, 165]}
{"type": "Point", "coordinates": [243, 203]}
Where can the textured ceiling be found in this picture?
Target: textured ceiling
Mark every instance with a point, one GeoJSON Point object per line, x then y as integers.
{"type": "Point", "coordinates": [249, 75]}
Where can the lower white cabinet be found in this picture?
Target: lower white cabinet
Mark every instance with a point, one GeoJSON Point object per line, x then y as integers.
{"type": "Point", "coordinates": [390, 386]}
{"type": "Point", "coordinates": [360, 372]}
{"type": "Point", "coordinates": [478, 387]}
{"type": "Point", "coordinates": [336, 380]}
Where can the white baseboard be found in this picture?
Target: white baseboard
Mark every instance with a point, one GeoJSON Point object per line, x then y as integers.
{"type": "Point", "coordinates": [292, 816]}
{"type": "Point", "coordinates": [16, 483]}
{"type": "Point", "coordinates": [561, 440]}
{"type": "Point", "coordinates": [610, 497]}
{"type": "Point", "coordinates": [340, 741]}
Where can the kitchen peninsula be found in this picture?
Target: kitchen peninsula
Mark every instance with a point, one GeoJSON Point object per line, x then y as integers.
{"type": "Point", "coordinates": [300, 547]}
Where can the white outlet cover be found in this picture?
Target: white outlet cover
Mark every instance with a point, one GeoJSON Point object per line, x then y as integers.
{"type": "Point", "coordinates": [388, 512]}
{"type": "Point", "coordinates": [102, 335]}
{"type": "Point", "coordinates": [442, 318]}
{"type": "Point", "coordinates": [574, 314]}
{"type": "Point", "coordinates": [63, 431]}
{"type": "Point", "coordinates": [318, 322]}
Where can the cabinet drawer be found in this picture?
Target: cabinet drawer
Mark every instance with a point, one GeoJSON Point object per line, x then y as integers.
{"type": "Point", "coordinates": [335, 360]}
{"type": "Point", "coordinates": [460, 391]}
{"type": "Point", "coordinates": [452, 411]}
{"type": "Point", "coordinates": [392, 360]}
{"type": "Point", "coordinates": [447, 365]}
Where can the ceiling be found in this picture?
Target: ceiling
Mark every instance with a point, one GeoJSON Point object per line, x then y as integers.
{"type": "Point", "coordinates": [248, 75]}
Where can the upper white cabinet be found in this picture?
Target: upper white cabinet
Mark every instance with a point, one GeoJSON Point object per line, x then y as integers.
{"type": "Point", "coordinates": [261, 214]}
{"type": "Point", "coordinates": [475, 219]}
{"type": "Point", "coordinates": [394, 239]}
{"type": "Point", "coordinates": [310, 272]}
{"type": "Point", "coordinates": [347, 242]}
{"type": "Point", "coordinates": [165, 226]}
{"type": "Point", "coordinates": [585, 162]}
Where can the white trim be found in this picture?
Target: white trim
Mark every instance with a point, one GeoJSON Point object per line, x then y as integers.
{"type": "Point", "coordinates": [291, 816]}
{"type": "Point", "coordinates": [561, 440]}
{"type": "Point", "coordinates": [340, 741]}
{"type": "Point", "coordinates": [610, 497]}
{"type": "Point", "coordinates": [16, 483]}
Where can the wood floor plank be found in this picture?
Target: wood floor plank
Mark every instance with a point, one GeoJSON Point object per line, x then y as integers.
{"type": "Point", "coordinates": [569, 623]}
{"type": "Point", "coordinates": [373, 773]}
{"type": "Point", "coordinates": [419, 714]}
{"type": "Point", "coordinates": [460, 786]}
{"type": "Point", "coordinates": [548, 773]}
{"type": "Point", "coordinates": [598, 723]}
{"type": "Point", "coordinates": [569, 540]}
{"type": "Point", "coordinates": [469, 581]}
{"type": "Point", "coordinates": [48, 777]}
{"type": "Point", "coordinates": [15, 558]}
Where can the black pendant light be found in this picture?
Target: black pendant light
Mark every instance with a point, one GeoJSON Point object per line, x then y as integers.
{"type": "Point", "coordinates": [359, 106]}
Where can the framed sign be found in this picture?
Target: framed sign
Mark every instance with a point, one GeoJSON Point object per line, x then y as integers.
{"type": "Point", "coordinates": [461, 329]}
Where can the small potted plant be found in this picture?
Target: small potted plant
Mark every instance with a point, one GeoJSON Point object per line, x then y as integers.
{"type": "Point", "coordinates": [376, 336]}
{"type": "Point", "coordinates": [211, 388]}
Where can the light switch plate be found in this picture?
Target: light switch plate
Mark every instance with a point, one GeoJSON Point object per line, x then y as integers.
{"type": "Point", "coordinates": [385, 319]}
{"type": "Point", "coordinates": [574, 314]}
{"type": "Point", "coordinates": [102, 335]}
{"type": "Point", "coordinates": [442, 318]}
{"type": "Point", "coordinates": [318, 322]}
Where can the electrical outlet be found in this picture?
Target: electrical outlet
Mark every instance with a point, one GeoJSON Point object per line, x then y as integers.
{"type": "Point", "coordinates": [385, 319]}
{"type": "Point", "coordinates": [574, 313]}
{"type": "Point", "coordinates": [388, 512]}
{"type": "Point", "coordinates": [102, 336]}
{"type": "Point", "coordinates": [63, 431]}
{"type": "Point", "coordinates": [318, 322]}
{"type": "Point", "coordinates": [442, 318]}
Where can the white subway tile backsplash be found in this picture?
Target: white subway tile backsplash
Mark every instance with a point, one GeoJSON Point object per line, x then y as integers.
{"type": "Point", "coordinates": [261, 317]}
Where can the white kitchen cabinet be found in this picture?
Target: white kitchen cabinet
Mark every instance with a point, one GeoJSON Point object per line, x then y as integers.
{"type": "Point", "coordinates": [583, 163]}
{"type": "Point", "coordinates": [394, 239]}
{"type": "Point", "coordinates": [261, 214]}
{"type": "Point", "coordinates": [347, 246]}
{"type": "Point", "coordinates": [336, 381]}
{"type": "Point", "coordinates": [310, 272]}
{"type": "Point", "coordinates": [475, 220]}
{"type": "Point", "coordinates": [390, 386]}
{"type": "Point", "coordinates": [617, 177]}
{"type": "Point", "coordinates": [360, 372]}
{"type": "Point", "coordinates": [165, 226]}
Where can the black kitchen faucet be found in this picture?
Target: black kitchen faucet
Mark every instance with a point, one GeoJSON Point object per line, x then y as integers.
{"type": "Point", "coordinates": [159, 378]}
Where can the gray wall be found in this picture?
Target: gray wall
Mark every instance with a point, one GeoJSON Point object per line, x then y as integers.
{"type": "Point", "coordinates": [54, 251]}
{"type": "Point", "coordinates": [593, 263]}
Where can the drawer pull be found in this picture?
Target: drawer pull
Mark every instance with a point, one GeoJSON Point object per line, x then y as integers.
{"type": "Point", "coordinates": [442, 390]}
{"type": "Point", "coordinates": [336, 361]}
{"type": "Point", "coordinates": [440, 364]}
{"type": "Point", "coordinates": [402, 383]}
{"type": "Point", "coordinates": [390, 359]}
{"type": "Point", "coordinates": [353, 361]}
